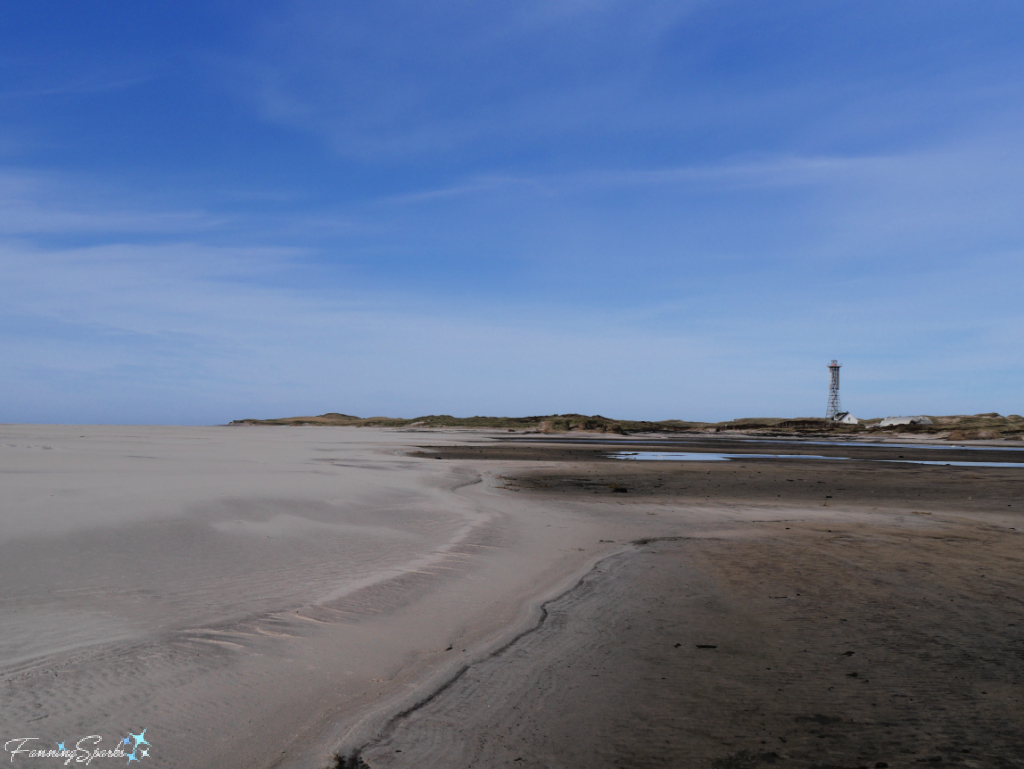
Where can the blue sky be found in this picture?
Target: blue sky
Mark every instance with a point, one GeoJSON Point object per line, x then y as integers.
{"type": "Point", "coordinates": [219, 210]}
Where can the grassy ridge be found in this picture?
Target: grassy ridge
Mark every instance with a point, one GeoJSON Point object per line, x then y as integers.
{"type": "Point", "coordinates": [963, 427]}
{"type": "Point", "coordinates": [550, 423]}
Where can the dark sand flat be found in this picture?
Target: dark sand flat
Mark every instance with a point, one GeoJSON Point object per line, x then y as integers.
{"type": "Point", "coordinates": [787, 613]}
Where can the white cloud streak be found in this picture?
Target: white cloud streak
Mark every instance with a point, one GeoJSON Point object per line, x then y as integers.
{"type": "Point", "coordinates": [191, 330]}
{"type": "Point", "coordinates": [36, 203]}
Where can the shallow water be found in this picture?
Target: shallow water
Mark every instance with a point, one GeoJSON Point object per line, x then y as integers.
{"type": "Point", "coordinates": [952, 464]}
{"type": "Point", "coordinates": [696, 456]}
{"type": "Point", "coordinates": [794, 442]}
{"type": "Point", "coordinates": [883, 444]}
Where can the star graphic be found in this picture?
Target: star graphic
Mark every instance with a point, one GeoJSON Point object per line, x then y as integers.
{"type": "Point", "coordinates": [125, 740]}
{"type": "Point", "coordinates": [140, 738]}
{"type": "Point", "coordinates": [145, 753]}
{"type": "Point", "coordinates": [60, 746]}
{"type": "Point", "coordinates": [131, 757]}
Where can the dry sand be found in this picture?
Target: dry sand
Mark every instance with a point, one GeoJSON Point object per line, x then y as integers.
{"type": "Point", "coordinates": [260, 597]}
{"type": "Point", "coordinates": [237, 591]}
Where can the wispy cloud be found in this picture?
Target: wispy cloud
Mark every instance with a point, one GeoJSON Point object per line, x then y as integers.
{"type": "Point", "coordinates": [736, 174]}
{"type": "Point", "coordinates": [412, 87]}
{"type": "Point", "coordinates": [596, 75]}
{"type": "Point", "coordinates": [232, 328]}
{"type": "Point", "coordinates": [80, 86]}
{"type": "Point", "coordinates": [40, 203]}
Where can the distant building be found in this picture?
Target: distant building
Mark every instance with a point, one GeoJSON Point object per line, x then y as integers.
{"type": "Point", "coordinates": [894, 421]}
{"type": "Point", "coordinates": [846, 418]}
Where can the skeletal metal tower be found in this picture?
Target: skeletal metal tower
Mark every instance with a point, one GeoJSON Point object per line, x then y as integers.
{"type": "Point", "coordinates": [834, 408]}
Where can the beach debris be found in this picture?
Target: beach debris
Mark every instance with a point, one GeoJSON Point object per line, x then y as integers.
{"type": "Point", "coordinates": [351, 761]}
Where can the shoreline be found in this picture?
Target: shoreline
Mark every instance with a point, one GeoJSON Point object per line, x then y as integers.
{"type": "Point", "coordinates": [350, 752]}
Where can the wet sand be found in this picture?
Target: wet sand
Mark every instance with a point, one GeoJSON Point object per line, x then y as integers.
{"type": "Point", "coordinates": [785, 613]}
{"type": "Point", "coordinates": [269, 596]}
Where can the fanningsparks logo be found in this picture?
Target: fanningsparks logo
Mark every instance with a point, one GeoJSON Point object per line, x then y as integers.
{"type": "Point", "coordinates": [134, 747]}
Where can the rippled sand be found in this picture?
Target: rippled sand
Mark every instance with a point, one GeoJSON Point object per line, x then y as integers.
{"type": "Point", "coordinates": [245, 594]}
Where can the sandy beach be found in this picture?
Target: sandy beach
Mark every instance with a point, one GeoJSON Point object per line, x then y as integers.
{"type": "Point", "coordinates": [550, 384]}
{"type": "Point", "coordinates": [262, 597]}
{"type": "Point", "coordinates": [254, 596]}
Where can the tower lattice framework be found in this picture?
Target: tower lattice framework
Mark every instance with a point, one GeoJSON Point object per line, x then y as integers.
{"type": "Point", "coordinates": [834, 409]}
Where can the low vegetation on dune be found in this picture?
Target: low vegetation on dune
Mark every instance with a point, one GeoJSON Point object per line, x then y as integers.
{"type": "Point", "coordinates": [974, 427]}
{"type": "Point", "coordinates": [965, 427]}
{"type": "Point", "coordinates": [554, 423]}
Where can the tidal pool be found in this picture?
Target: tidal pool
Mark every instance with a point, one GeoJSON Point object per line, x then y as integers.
{"type": "Point", "coordinates": [952, 464]}
{"type": "Point", "coordinates": [699, 456]}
